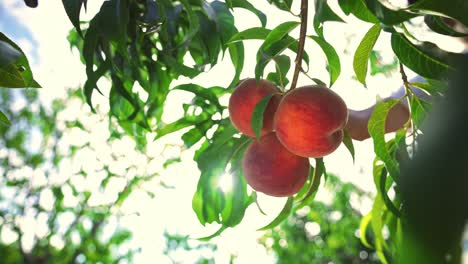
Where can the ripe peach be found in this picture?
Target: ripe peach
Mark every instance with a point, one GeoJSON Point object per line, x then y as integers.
{"type": "Point", "coordinates": [243, 101]}
{"type": "Point", "coordinates": [272, 169]}
{"type": "Point", "coordinates": [309, 121]}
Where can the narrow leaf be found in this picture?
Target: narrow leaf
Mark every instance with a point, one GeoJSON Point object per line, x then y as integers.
{"type": "Point", "coordinates": [348, 142]}
{"type": "Point", "coordinates": [363, 51]}
{"type": "Point", "coordinates": [362, 230]}
{"type": "Point", "coordinates": [73, 9]}
{"type": "Point", "coordinates": [383, 191]}
{"type": "Point", "coordinates": [281, 216]}
{"type": "Point", "coordinates": [334, 66]}
{"type": "Point", "coordinates": [437, 25]}
{"type": "Point", "coordinates": [376, 128]}
{"type": "Point", "coordinates": [246, 5]}
{"type": "Point", "coordinates": [257, 115]}
{"type": "Point", "coordinates": [426, 59]}
{"type": "Point", "coordinates": [4, 119]}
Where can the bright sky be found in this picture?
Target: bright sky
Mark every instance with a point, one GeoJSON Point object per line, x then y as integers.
{"type": "Point", "coordinates": [57, 69]}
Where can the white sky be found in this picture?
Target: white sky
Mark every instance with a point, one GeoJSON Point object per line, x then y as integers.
{"type": "Point", "coordinates": [57, 69]}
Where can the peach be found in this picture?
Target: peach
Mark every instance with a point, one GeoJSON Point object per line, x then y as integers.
{"type": "Point", "coordinates": [272, 169]}
{"type": "Point", "coordinates": [243, 101]}
{"type": "Point", "coordinates": [309, 121]}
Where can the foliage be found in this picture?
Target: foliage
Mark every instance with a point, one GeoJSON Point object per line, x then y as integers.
{"type": "Point", "coordinates": [322, 232]}
{"type": "Point", "coordinates": [149, 44]}
{"type": "Point", "coordinates": [50, 184]}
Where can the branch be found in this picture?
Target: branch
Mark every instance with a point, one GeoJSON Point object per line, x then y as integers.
{"type": "Point", "coordinates": [302, 36]}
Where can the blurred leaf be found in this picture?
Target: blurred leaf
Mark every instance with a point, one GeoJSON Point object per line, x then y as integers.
{"type": "Point", "coordinates": [17, 74]}
{"type": "Point", "coordinates": [426, 59]}
{"type": "Point", "coordinates": [215, 234]}
{"type": "Point", "coordinates": [181, 68]}
{"type": "Point", "coordinates": [246, 5]}
{"type": "Point", "coordinates": [363, 51]}
{"type": "Point", "coordinates": [73, 9]}
{"type": "Point", "coordinates": [261, 33]}
{"type": "Point", "coordinates": [8, 54]}
{"type": "Point", "coordinates": [359, 9]}
{"type": "Point", "coordinates": [315, 183]}
{"type": "Point", "coordinates": [431, 86]}
{"type": "Point", "coordinates": [376, 128]}
{"type": "Point", "coordinates": [437, 25]}
{"type": "Point", "coordinates": [334, 67]}
{"type": "Point", "coordinates": [192, 136]}
{"type": "Point", "coordinates": [386, 15]}
{"type": "Point", "coordinates": [4, 119]}
{"type": "Point", "coordinates": [257, 115]}
{"type": "Point", "coordinates": [348, 142]}
{"type": "Point", "coordinates": [456, 9]}
{"type": "Point", "coordinates": [382, 187]}
{"type": "Point", "coordinates": [283, 215]}
{"type": "Point", "coordinates": [362, 229]}
{"type": "Point", "coordinates": [377, 66]}
{"type": "Point", "coordinates": [193, 22]}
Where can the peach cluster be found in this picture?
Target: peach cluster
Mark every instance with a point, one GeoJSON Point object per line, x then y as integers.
{"type": "Point", "coordinates": [306, 122]}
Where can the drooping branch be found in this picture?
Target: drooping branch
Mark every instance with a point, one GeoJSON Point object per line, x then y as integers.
{"type": "Point", "coordinates": [302, 37]}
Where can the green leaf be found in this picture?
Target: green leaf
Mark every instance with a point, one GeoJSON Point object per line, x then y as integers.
{"type": "Point", "coordinates": [348, 142]}
{"type": "Point", "coordinates": [426, 59]}
{"type": "Point", "coordinates": [363, 51]}
{"type": "Point", "coordinates": [183, 122]}
{"type": "Point", "coordinates": [334, 67]}
{"type": "Point", "coordinates": [285, 212]}
{"type": "Point", "coordinates": [4, 119]}
{"type": "Point", "coordinates": [261, 33]}
{"type": "Point", "coordinates": [278, 33]}
{"type": "Point", "coordinates": [313, 188]}
{"type": "Point", "coordinates": [359, 9]}
{"type": "Point", "coordinates": [73, 9]}
{"type": "Point", "coordinates": [282, 65]}
{"type": "Point", "coordinates": [323, 13]}
{"type": "Point", "coordinates": [257, 115]}
{"type": "Point", "coordinates": [275, 43]}
{"type": "Point", "coordinates": [236, 53]}
{"type": "Point", "coordinates": [362, 229]}
{"type": "Point", "coordinates": [180, 68]}
{"type": "Point", "coordinates": [383, 191]}
{"type": "Point", "coordinates": [17, 74]}
{"type": "Point", "coordinates": [419, 110]}
{"type": "Point", "coordinates": [376, 128]}
{"type": "Point", "coordinates": [8, 54]}
{"type": "Point", "coordinates": [437, 25]}
{"type": "Point", "coordinates": [386, 15]}
{"type": "Point", "coordinates": [282, 4]}
{"type": "Point", "coordinates": [193, 22]}
{"type": "Point", "coordinates": [456, 8]}
{"type": "Point", "coordinates": [246, 5]}
{"type": "Point", "coordinates": [200, 91]}
{"type": "Point", "coordinates": [111, 23]}
{"type": "Point", "coordinates": [215, 234]}
{"type": "Point", "coordinates": [194, 135]}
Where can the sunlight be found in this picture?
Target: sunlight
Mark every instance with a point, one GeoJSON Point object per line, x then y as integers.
{"type": "Point", "coordinates": [225, 182]}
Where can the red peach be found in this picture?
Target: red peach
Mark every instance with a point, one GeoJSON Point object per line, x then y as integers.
{"type": "Point", "coordinates": [272, 169]}
{"type": "Point", "coordinates": [243, 101]}
{"type": "Point", "coordinates": [309, 121]}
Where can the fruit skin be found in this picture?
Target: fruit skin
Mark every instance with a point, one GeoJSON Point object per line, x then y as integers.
{"type": "Point", "coordinates": [309, 121]}
{"type": "Point", "coordinates": [271, 169]}
{"type": "Point", "coordinates": [243, 101]}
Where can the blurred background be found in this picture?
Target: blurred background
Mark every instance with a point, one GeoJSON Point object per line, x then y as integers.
{"type": "Point", "coordinates": [74, 188]}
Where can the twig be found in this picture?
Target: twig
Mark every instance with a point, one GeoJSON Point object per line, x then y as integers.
{"type": "Point", "coordinates": [302, 37]}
